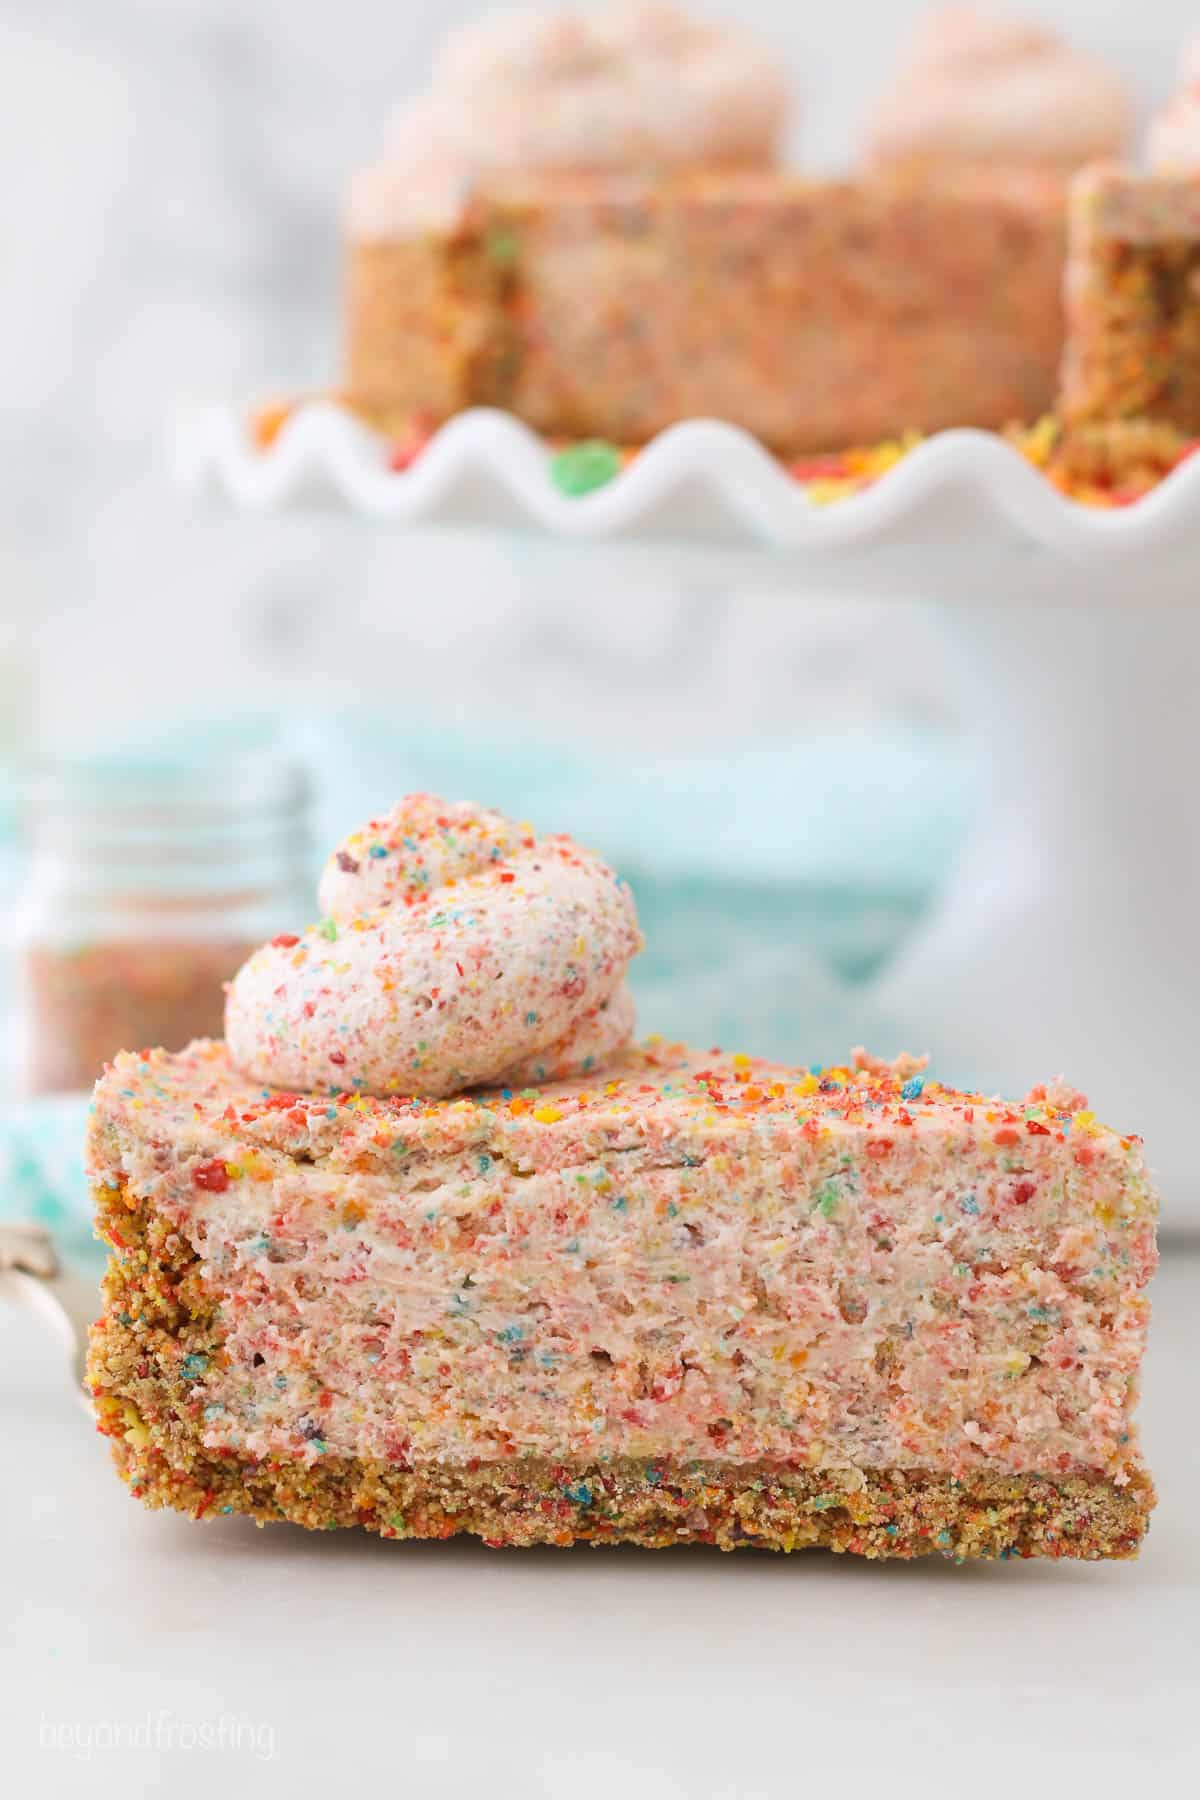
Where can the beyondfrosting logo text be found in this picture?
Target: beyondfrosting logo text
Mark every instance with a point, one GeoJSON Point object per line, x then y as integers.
{"type": "Point", "coordinates": [161, 1731]}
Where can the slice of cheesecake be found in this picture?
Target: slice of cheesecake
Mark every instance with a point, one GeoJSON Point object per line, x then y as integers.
{"type": "Point", "coordinates": [695, 1298]}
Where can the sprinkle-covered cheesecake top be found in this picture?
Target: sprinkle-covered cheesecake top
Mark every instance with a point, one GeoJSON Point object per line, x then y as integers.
{"type": "Point", "coordinates": [456, 949]}
{"type": "Point", "coordinates": [654, 1093]}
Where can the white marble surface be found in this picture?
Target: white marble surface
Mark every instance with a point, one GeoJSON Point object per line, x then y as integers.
{"type": "Point", "coordinates": [456, 1670]}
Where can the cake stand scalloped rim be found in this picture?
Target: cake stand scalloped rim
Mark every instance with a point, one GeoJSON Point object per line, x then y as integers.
{"type": "Point", "coordinates": [322, 447]}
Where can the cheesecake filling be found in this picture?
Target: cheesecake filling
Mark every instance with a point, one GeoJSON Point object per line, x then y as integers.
{"type": "Point", "coordinates": [750, 1295]}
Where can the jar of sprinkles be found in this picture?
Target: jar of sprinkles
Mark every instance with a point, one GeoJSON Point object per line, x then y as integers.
{"type": "Point", "coordinates": [146, 884]}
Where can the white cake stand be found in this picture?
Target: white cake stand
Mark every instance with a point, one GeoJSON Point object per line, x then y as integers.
{"type": "Point", "coordinates": [1065, 942]}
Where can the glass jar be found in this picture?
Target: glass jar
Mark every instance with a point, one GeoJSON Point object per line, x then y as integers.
{"type": "Point", "coordinates": [145, 886]}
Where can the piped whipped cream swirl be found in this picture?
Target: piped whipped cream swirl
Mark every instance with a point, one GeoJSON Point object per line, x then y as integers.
{"type": "Point", "coordinates": [980, 88]}
{"type": "Point", "coordinates": [634, 87]}
{"type": "Point", "coordinates": [1173, 137]}
{"type": "Point", "coordinates": [456, 950]}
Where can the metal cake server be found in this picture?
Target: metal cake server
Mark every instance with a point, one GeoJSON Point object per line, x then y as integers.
{"type": "Point", "coordinates": [32, 1272]}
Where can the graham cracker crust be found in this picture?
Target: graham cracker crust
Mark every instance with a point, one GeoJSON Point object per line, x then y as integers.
{"type": "Point", "coordinates": [158, 1312]}
{"type": "Point", "coordinates": [895, 1513]}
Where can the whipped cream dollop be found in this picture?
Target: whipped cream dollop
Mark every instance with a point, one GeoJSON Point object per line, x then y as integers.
{"type": "Point", "coordinates": [456, 950]}
{"type": "Point", "coordinates": [636, 86]}
{"type": "Point", "coordinates": [980, 88]}
{"type": "Point", "coordinates": [1173, 136]}
{"type": "Point", "coordinates": [423, 183]}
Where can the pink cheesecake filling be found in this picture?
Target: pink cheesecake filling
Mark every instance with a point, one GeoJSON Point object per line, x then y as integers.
{"type": "Point", "coordinates": [699, 1258]}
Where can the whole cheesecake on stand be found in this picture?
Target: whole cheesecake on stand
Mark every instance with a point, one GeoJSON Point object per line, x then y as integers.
{"type": "Point", "coordinates": [586, 222]}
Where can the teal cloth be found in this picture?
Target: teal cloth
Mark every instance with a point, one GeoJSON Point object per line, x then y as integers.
{"type": "Point", "coordinates": [41, 1171]}
{"type": "Point", "coordinates": [772, 880]}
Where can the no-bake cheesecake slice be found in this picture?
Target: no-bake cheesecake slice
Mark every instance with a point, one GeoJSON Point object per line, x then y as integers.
{"type": "Point", "coordinates": [609, 1292]}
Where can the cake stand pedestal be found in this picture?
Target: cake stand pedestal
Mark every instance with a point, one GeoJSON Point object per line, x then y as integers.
{"type": "Point", "coordinates": [1065, 942]}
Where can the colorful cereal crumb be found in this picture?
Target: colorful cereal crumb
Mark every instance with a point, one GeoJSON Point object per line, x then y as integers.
{"type": "Point", "coordinates": [1108, 465]}
{"type": "Point", "coordinates": [405, 449]}
{"type": "Point", "coordinates": [582, 468]}
{"type": "Point", "coordinates": [838, 475]}
{"type": "Point", "coordinates": [268, 420]}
